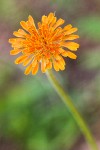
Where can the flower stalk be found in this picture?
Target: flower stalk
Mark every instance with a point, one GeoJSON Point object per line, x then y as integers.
{"type": "Point", "coordinates": [68, 102]}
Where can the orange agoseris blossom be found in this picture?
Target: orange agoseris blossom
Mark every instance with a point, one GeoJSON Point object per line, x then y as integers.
{"type": "Point", "coordinates": [46, 44]}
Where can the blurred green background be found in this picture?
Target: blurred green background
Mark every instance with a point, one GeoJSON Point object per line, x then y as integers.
{"type": "Point", "coordinates": [32, 116]}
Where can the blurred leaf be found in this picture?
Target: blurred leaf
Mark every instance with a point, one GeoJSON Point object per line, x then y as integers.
{"type": "Point", "coordinates": [91, 59]}
{"type": "Point", "coordinates": [69, 5]}
{"type": "Point", "coordinates": [25, 116]}
{"type": "Point", "coordinates": [38, 142]}
{"type": "Point", "coordinates": [7, 7]}
{"type": "Point", "coordinates": [26, 92]}
{"type": "Point", "coordinates": [89, 26]}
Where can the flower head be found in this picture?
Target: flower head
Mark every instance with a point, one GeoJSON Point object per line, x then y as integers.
{"type": "Point", "coordinates": [46, 44]}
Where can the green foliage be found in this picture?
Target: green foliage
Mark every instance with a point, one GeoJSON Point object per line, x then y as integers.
{"type": "Point", "coordinates": [91, 59]}
{"type": "Point", "coordinates": [26, 116]}
{"type": "Point", "coordinates": [69, 5]}
{"type": "Point", "coordinates": [7, 8]}
{"type": "Point", "coordinates": [89, 26]}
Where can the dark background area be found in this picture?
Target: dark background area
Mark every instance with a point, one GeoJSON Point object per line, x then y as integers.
{"type": "Point", "coordinates": [32, 116]}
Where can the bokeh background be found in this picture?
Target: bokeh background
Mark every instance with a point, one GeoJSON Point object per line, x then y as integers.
{"type": "Point", "coordinates": [32, 116]}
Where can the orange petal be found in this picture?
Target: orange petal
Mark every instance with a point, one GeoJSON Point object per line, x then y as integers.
{"type": "Point", "coordinates": [28, 69]}
{"type": "Point", "coordinates": [71, 45]}
{"type": "Point", "coordinates": [71, 55]}
{"type": "Point", "coordinates": [61, 50]}
{"type": "Point", "coordinates": [17, 42]}
{"type": "Point", "coordinates": [56, 33]}
{"type": "Point", "coordinates": [56, 67]}
{"type": "Point", "coordinates": [39, 24]}
{"type": "Point", "coordinates": [53, 21]}
{"type": "Point", "coordinates": [11, 40]}
{"type": "Point", "coordinates": [31, 21]}
{"type": "Point", "coordinates": [58, 23]}
{"type": "Point", "coordinates": [20, 59]}
{"type": "Point", "coordinates": [17, 34]}
{"type": "Point", "coordinates": [35, 69]}
{"type": "Point", "coordinates": [62, 60]}
{"type": "Point", "coordinates": [70, 37]}
{"type": "Point", "coordinates": [66, 28]}
{"type": "Point", "coordinates": [50, 17]}
{"type": "Point", "coordinates": [64, 53]}
{"type": "Point", "coordinates": [20, 33]}
{"type": "Point", "coordinates": [15, 51]}
{"type": "Point", "coordinates": [61, 65]}
{"type": "Point", "coordinates": [70, 31]}
{"type": "Point", "coordinates": [17, 45]}
{"type": "Point", "coordinates": [49, 65]}
{"type": "Point", "coordinates": [57, 57]}
{"type": "Point", "coordinates": [44, 19]}
{"type": "Point", "coordinates": [34, 62]}
{"type": "Point", "coordinates": [43, 66]}
{"type": "Point", "coordinates": [27, 61]}
{"type": "Point", "coordinates": [24, 25]}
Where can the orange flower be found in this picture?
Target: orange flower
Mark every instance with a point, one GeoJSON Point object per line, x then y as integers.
{"type": "Point", "coordinates": [44, 45]}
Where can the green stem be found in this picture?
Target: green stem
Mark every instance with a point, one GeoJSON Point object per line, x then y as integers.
{"type": "Point", "coordinates": [67, 100]}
